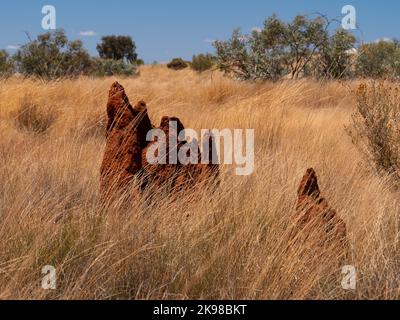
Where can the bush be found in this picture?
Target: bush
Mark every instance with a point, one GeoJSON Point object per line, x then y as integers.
{"type": "Point", "coordinates": [244, 58]}
{"type": "Point", "coordinates": [53, 56]}
{"type": "Point", "coordinates": [177, 64]}
{"type": "Point", "coordinates": [379, 60]}
{"type": "Point", "coordinates": [109, 67]}
{"type": "Point", "coordinates": [6, 64]}
{"type": "Point", "coordinates": [139, 62]}
{"type": "Point", "coordinates": [281, 49]}
{"type": "Point", "coordinates": [31, 118]}
{"type": "Point", "coordinates": [375, 126]}
{"type": "Point", "coordinates": [202, 62]}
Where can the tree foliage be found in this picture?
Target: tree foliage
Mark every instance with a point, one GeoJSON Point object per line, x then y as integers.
{"type": "Point", "coordinates": [335, 60]}
{"type": "Point", "coordinates": [52, 56]}
{"type": "Point", "coordinates": [281, 49]}
{"type": "Point", "coordinates": [379, 60]}
{"type": "Point", "coordinates": [117, 48]}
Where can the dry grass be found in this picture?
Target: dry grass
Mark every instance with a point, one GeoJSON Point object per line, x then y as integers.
{"type": "Point", "coordinates": [231, 244]}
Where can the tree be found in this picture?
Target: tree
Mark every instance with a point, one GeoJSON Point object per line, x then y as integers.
{"type": "Point", "coordinates": [52, 56]}
{"type": "Point", "coordinates": [296, 42]}
{"type": "Point", "coordinates": [379, 60]}
{"type": "Point", "coordinates": [248, 58]}
{"type": "Point", "coordinates": [6, 64]}
{"type": "Point", "coordinates": [117, 48]}
{"type": "Point", "coordinates": [336, 55]}
{"type": "Point", "coordinates": [279, 48]}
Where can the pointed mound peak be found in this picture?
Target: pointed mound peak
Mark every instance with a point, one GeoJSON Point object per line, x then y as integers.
{"type": "Point", "coordinates": [173, 123]}
{"type": "Point", "coordinates": [116, 87]}
{"type": "Point", "coordinates": [309, 185]}
{"type": "Point", "coordinates": [117, 98]}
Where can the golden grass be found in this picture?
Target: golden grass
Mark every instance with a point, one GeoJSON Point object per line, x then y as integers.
{"type": "Point", "coordinates": [229, 244]}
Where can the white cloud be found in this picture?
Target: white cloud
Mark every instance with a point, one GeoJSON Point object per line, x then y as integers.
{"type": "Point", "coordinates": [209, 40]}
{"type": "Point", "coordinates": [256, 29]}
{"type": "Point", "coordinates": [13, 47]}
{"type": "Point", "coordinates": [88, 33]}
{"type": "Point", "coordinates": [383, 39]}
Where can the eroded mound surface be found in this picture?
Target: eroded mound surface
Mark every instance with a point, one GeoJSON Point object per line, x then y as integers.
{"type": "Point", "coordinates": [125, 156]}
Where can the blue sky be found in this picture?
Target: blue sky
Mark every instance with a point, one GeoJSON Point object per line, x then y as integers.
{"type": "Point", "coordinates": [163, 29]}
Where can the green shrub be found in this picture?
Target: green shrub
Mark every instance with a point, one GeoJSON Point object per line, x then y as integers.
{"type": "Point", "coordinates": [202, 62]}
{"type": "Point", "coordinates": [53, 56]}
{"type": "Point", "coordinates": [177, 64]}
{"type": "Point", "coordinates": [283, 49]}
{"type": "Point", "coordinates": [6, 64]}
{"type": "Point", "coordinates": [139, 62]}
{"type": "Point", "coordinates": [109, 67]}
{"type": "Point", "coordinates": [379, 60]}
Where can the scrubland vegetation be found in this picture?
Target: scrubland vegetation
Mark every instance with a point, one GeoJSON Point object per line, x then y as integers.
{"type": "Point", "coordinates": [231, 243]}
{"type": "Point", "coordinates": [309, 96]}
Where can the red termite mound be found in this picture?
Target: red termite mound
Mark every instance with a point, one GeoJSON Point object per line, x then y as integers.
{"type": "Point", "coordinates": [173, 174]}
{"type": "Point", "coordinates": [313, 212]}
{"type": "Point", "coordinates": [126, 135]}
{"type": "Point", "coordinates": [125, 155]}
